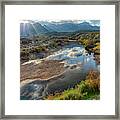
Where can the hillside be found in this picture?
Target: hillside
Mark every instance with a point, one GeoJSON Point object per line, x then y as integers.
{"type": "Point", "coordinates": [34, 28]}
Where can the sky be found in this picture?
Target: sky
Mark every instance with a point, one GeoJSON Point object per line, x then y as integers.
{"type": "Point", "coordinates": [92, 22]}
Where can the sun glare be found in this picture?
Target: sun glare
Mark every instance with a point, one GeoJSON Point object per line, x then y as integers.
{"type": "Point", "coordinates": [24, 21]}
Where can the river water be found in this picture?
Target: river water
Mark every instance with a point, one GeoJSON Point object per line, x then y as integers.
{"type": "Point", "coordinates": [77, 63]}
{"type": "Point", "coordinates": [75, 54]}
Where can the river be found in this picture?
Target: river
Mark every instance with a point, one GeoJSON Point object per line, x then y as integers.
{"type": "Point", "coordinates": [77, 63]}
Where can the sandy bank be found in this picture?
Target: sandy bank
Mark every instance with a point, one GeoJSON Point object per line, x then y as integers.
{"type": "Point", "coordinates": [41, 70]}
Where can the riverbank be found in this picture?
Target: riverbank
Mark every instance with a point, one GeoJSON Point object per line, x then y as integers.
{"type": "Point", "coordinates": [67, 86]}
{"type": "Point", "coordinates": [92, 46]}
{"type": "Point", "coordinates": [41, 70]}
{"type": "Point", "coordinates": [84, 90]}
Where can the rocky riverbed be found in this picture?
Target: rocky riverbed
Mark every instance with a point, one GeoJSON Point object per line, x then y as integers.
{"type": "Point", "coordinates": [41, 69]}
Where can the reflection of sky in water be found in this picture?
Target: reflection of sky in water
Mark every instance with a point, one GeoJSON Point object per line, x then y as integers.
{"type": "Point", "coordinates": [75, 54]}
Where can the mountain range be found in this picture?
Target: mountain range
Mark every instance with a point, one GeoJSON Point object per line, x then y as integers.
{"type": "Point", "coordinates": [32, 28]}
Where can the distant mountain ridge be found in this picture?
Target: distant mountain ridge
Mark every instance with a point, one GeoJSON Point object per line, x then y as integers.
{"type": "Point", "coordinates": [33, 28]}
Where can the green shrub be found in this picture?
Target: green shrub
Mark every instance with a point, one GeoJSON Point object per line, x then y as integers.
{"type": "Point", "coordinates": [89, 86]}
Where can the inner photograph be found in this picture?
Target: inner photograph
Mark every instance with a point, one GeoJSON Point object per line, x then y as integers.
{"type": "Point", "coordinates": [59, 59]}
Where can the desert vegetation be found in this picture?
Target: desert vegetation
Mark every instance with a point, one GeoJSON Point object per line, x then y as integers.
{"type": "Point", "coordinates": [62, 64]}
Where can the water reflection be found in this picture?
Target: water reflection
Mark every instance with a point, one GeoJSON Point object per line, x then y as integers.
{"type": "Point", "coordinates": [75, 55]}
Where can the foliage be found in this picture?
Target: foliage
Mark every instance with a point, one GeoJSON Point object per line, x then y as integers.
{"type": "Point", "coordinates": [86, 89]}
{"type": "Point", "coordinates": [43, 43]}
{"type": "Point", "coordinates": [91, 41]}
{"type": "Point", "coordinates": [96, 49]}
{"type": "Point", "coordinates": [24, 51]}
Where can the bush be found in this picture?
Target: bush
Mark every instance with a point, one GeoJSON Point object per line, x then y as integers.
{"type": "Point", "coordinates": [93, 75]}
{"type": "Point", "coordinates": [24, 52]}
{"type": "Point", "coordinates": [96, 49]}
{"type": "Point", "coordinates": [89, 86]}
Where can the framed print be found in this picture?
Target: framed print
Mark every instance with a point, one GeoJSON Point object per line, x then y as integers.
{"type": "Point", "coordinates": [60, 60]}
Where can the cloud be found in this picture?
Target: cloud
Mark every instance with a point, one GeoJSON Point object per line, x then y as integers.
{"type": "Point", "coordinates": [95, 22]}
{"type": "Point", "coordinates": [92, 22]}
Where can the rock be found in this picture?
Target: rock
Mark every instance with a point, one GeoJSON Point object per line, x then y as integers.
{"type": "Point", "coordinates": [74, 66]}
